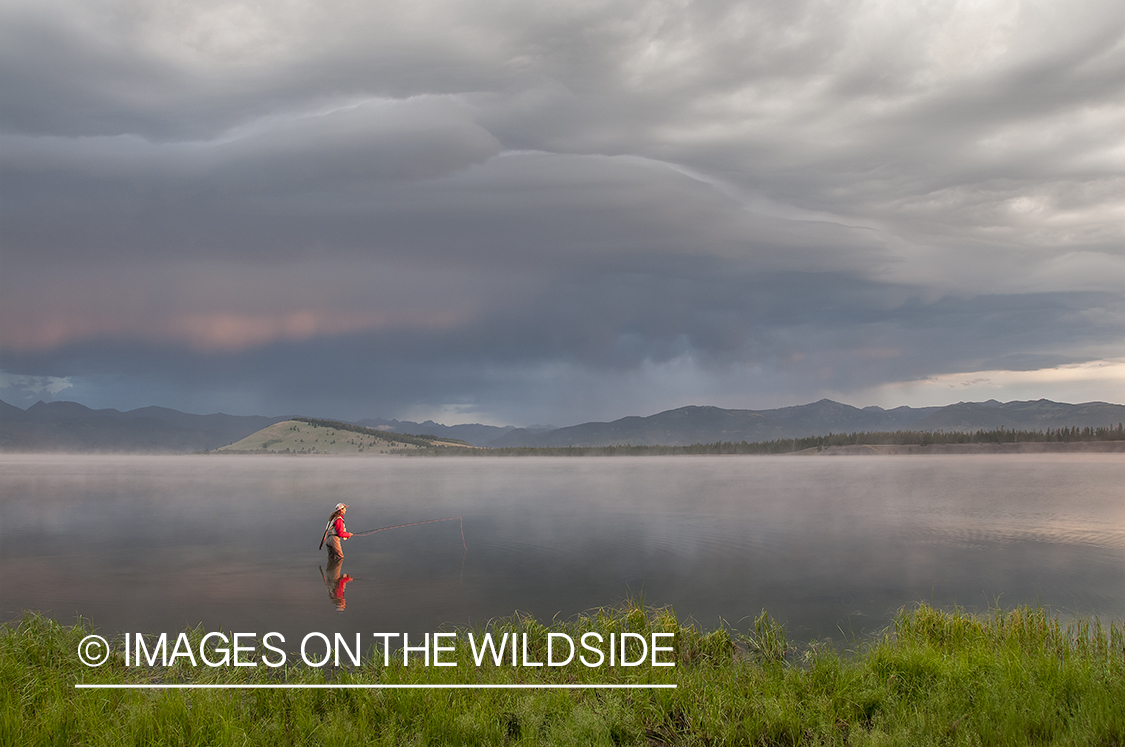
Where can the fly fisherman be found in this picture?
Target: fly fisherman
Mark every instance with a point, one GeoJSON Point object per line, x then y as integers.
{"type": "Point", "coordinates": [335, 532]}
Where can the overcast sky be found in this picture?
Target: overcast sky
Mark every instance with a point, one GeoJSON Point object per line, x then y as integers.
{"type": "Point", "coordinates": [511, 211]}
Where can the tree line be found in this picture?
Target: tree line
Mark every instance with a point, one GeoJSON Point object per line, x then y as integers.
{"type": "Point", "coordinates": [791, 445]}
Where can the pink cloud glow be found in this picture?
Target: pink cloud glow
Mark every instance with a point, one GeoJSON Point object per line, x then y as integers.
{"type": "Point", "coordinates": [214, 332]}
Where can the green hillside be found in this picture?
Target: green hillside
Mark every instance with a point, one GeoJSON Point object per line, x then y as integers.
{"type": "Point", "coordinates": [311, 436]}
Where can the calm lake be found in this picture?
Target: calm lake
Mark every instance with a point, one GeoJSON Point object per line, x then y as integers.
{"type": "Point", "coordinates": [831, 546]}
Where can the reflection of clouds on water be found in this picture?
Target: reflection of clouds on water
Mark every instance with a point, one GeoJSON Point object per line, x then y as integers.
{"type": "Point", "coordinates": [161, 542]}
{"type": "Point", "coordinates": [1055, 532]}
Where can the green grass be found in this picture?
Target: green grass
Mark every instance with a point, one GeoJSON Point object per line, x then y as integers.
{"type": "Point", "coordinates": [1015, 677]}
{"type": "Point", "coordinates": [308, 436]}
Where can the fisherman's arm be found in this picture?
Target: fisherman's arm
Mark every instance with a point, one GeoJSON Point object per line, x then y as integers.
{"type": "Point", "coordinates": [340, 531]}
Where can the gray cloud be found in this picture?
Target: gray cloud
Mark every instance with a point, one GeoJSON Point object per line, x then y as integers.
{"type": "Point", "coordinates": [536, 212]}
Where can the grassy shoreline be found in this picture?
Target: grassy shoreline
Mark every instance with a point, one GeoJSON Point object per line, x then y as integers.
{"type": "Point", "coordinates": [934, 677]}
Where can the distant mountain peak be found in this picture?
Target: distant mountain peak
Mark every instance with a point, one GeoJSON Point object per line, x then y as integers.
{"type": "Point", "coordinates": [707, 424]}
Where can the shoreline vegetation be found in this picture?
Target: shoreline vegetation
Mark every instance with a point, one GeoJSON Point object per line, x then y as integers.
{"type": "Point", "coordinates": [1008, 677]}
{"type": "Point", "coordinates": [309, 436]}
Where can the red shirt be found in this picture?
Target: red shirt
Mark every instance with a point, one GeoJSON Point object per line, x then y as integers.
{"type": "Point", "coordinates": [340, 531]}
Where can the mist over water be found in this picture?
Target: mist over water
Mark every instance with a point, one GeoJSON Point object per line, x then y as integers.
{"type": "Point", "coordinates": [830, 546]}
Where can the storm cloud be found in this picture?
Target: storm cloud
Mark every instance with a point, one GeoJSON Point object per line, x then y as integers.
{"type": "Point", "coordinates": [531, 212]}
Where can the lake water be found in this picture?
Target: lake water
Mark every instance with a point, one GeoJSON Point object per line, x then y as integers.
{"type": "Point", "coordinates": [831, 546]}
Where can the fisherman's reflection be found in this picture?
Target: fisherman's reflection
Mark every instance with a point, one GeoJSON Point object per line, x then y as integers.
{"type": "Point", "coordinates": [335, 579]}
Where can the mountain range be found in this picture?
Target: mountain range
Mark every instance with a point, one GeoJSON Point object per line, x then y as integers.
{"type": "Point", "coordinates": [69, 426]}
{"type": "Point", "coordinates": [690, 425]}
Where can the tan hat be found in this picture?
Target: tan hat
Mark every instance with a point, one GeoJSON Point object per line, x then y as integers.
{"type": "Point", "coordinates": [341, 505]}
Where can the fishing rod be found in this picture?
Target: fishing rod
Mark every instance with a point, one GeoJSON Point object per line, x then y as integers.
{"type": "Point", "coordinates": [416, 523]}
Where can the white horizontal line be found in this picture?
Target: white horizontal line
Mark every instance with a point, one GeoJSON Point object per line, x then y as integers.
{"type": "Point", "coordinates": [374, 687]}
